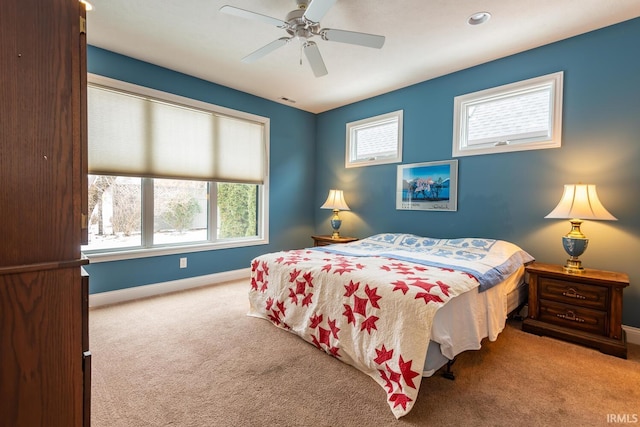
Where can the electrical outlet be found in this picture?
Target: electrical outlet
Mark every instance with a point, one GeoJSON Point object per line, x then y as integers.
{"type": "Point", "coordinates": [183, 262]}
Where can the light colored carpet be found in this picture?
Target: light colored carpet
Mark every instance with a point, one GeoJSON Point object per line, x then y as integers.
{"type": "Point", "coordinates": [194, 358]}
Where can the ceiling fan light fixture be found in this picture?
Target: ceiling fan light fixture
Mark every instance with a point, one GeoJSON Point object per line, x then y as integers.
{"type": "Point", "coordinates": [479, 18]}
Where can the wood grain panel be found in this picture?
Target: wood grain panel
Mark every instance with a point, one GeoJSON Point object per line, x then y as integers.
{"type": "Point", "coordinates": [36, 161]}
{"type": "Point", "coordinates": [43, 300]}
{"type": "Point", "coordinates": [41, 338]}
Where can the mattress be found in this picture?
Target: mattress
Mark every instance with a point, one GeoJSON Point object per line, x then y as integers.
{"type": "Point", "coordinates": [463, 322]}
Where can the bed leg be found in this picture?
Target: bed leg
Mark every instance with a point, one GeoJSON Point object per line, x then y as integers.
{"type": "Point", "coordinates": [448, 374]}
{"type": "Point", "coordinates": [516, 314]}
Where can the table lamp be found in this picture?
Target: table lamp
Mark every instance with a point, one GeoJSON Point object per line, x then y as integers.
{"type": "Point", "coordinates": [578, 202]}
{"type": "Point", "coordinates": [335, 201]}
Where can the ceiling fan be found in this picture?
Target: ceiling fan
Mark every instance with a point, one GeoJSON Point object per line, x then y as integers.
{"type": "Point", "coordinates": [303, 24]}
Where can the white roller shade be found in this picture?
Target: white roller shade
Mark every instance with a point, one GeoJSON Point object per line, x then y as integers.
{"type": "Point", "coordinates": [131, 135]}
{"type": "Point", "coordinates": [235, 156]}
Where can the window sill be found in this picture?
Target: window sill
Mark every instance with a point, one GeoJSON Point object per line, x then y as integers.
{"type": "Point", "coordinates": [125, 254]}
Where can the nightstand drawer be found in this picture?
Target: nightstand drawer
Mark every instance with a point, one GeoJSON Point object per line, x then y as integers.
{"type": "Point", "coordinates": [571, 316]}
{"type": "Point", "coordinates": [584, 295]}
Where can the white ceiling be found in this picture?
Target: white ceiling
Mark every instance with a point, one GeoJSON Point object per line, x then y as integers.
{"type": "Point", "coordinates": [424, 39]}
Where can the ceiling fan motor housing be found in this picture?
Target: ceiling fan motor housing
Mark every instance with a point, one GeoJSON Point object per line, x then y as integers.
{"type": "Point", "coordinates": [299, 27]}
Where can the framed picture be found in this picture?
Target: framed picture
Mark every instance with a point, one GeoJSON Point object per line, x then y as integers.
{"type": "Point", "coordinates": [431, 186]}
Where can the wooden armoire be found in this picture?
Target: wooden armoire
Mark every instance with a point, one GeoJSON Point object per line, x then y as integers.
{"type": "Point", "coordinates": [45, 365]}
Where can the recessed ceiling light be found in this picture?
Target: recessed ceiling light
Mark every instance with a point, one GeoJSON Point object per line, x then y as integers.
{"type": "Point", "coordinates": [479, 18]}
{"type": "Point", "coordinates": [284, 98]}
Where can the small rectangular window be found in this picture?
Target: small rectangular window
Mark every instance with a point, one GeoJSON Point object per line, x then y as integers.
{"type": "Point", "coordinates": [525, 115]}
{"type": "Point", "coordinates": [375, 140]}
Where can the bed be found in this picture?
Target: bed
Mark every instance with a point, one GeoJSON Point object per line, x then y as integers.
{"type": "Point", "coordinates": [395, 306]}
{"type": "Point", "coordinates": [463, 322]}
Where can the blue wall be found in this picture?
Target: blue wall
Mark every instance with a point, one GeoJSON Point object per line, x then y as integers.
{"type": "Point", "coordinates": [292, 151]}
{"type": "Point", "coordinates": [501, 195]}
{"type": "Point", "coordinates": [507, 195]}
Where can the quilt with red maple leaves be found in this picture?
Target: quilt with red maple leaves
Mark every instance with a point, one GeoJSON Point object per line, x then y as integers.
{"type": "Point", "coordinates": [369, 310]}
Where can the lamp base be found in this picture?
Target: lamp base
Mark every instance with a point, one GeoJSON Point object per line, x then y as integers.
{"type": "Point", "coordinates": [336, 222]}
{"type": "Point", "coordinates": [574, 246]}
{"type": "Point", "coordinates": [573, 266]}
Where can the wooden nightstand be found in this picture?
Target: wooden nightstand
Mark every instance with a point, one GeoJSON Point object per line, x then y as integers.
{"type": "Point", "coordinates": [328, 240]}
{"type": "Point", "coordinates": [583, 308]}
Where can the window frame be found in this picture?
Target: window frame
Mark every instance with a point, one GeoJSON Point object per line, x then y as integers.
{"type": "Point", "coordinates": [553, 83]}
{"type": "Point", "coordinates": [351, 140]}
{"type": "Point", "coordinates": [262, 238]}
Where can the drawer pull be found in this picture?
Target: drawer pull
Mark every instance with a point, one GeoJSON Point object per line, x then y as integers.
{"type": "Point", "coordinates": [572, 293]}
{"type": "Point", "coordinates": [570, 315]}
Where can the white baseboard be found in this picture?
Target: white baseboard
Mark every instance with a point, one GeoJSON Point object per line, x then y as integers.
{"type": "Point", "coordinates": [633, 334]}
{"type": "Point", "coordinates": [128, 294]}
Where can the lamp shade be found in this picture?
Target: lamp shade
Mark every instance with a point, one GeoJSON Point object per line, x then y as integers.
{"type": "Point", "coordinates": [580, 201]}
{"type": "Point", "coordinates": [335, 201]}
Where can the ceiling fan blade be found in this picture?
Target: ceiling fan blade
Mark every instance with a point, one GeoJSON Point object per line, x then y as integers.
{"type": "Point", "coordinates": [230, 10]}
{"type": "Point", "coordinates": [264, 50]}
{"type": "Point", "coordinates": [312, 53]}
{"type": "Point", "coordinates": [352, 37]}
{"type": "Point", "coordinates": [317, 9]}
